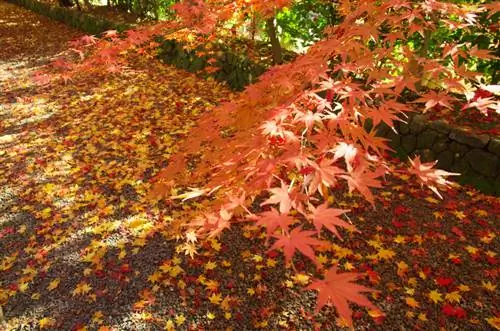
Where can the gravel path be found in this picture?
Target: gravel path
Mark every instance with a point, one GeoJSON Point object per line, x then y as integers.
{"type": "Point", "coordinates": [81, 248]}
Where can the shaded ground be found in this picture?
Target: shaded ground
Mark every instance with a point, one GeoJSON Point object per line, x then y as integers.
{"type": "Point", "coordinates": [81, 246]}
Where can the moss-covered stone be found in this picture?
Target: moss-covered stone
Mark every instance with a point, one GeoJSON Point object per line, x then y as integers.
{"type": "Point", "coordinates": [445, 160]}
{"type": "Point", "coordinates": [483, 162]}
{"type": "Point", "coordinates": [426, 139]}
{"type": "Point", "coordinates": [417, 124]}
{"type": "Point", "coordinates": [440, 145]}
{"type": "Point", "coordinates": [409, 143]}
{"type": "Point", "coordinates": [497, 186]}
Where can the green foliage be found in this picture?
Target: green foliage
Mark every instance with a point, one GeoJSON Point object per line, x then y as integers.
{"type": "Point", "coordinates": [303, 23]}
{"type": "Point", "coordinates": [234, 69]}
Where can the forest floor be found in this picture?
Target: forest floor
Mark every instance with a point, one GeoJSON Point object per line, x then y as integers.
{"type": "Point", "coordinates": [82, 248]}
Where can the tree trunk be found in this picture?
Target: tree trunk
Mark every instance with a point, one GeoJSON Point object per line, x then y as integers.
{"type": "Point", "coordinates": [275, 43]}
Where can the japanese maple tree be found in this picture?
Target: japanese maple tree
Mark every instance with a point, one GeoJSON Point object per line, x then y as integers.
{"type": "Point", "coordinates": [291, 145]}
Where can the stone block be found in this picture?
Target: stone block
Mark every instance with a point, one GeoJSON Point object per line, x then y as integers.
{"type": "Point", "coordinates": [445, 160]}
{"type": "Point", "coordinates": [404, 128]}
{"type": "Point", "coordinates": [394, 139]}
{"type": "Point", "coordinates": [409, 143]}
{"type": "Point", "coordinates": [494, 146]}
{"type": "Point", "coordinates": [418, 124]}
{"type": "Point", "coordinates": [497, 186]}
{"type": "Point", "coordinates": [427, 155]}
{"type": "Point", "coordinates": [458, 149]}
{"type": "Point", "coordinates": [483, 162]}
{"type": "Point", "coordinates": [383, 129]}
{"type": "Point", "coordinates": [426, 139]}
{"type": "Point", "coordinates": [468, 138]}
{"type": "Point", "coordinates": [440, 126]}
{"type": "Point", "coordinates": [440, 145]}
{"type": "Point", "coordinates": [461, 166]}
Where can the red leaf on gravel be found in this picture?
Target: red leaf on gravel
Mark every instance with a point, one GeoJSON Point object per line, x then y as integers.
{"type": "Point", "coordinates": [298, 240]}
{"type": "Point", "coordinates": [442, 281]}
{"type": "Point", "coordinates": [322, 216]}
{"type": "Point", "coordinates": [337, 289]}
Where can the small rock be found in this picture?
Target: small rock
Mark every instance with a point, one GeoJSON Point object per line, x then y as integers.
{"type": "Point", "coordinates": [483, 162]}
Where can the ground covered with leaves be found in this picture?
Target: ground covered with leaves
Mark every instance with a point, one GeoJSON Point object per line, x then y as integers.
{"type": "Point", "coordinates": [83, 248]}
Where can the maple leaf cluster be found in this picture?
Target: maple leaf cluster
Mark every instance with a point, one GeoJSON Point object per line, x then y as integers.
{"type": "Point", "coordinates": [296, 146]}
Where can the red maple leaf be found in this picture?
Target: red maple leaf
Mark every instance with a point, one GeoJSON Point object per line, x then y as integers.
{"type": "Point", "coordinates": [433, 98]}
{"type": "Point", "coordinates": [362, 179]}
{"type": "Point", "coordinates": [297, 240]}
{"type": "Point", "coordinates": [273, 219]}
{"type": "Point", "coordinates": [337, 289]}
{"type": "Point", "coordinates": [322, 216]}
{"type": "Point", "coordinates": [433, 178]}
{"type": "Point", "coordinates": [280, 195]}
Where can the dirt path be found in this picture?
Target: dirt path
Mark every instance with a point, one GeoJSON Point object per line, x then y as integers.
{"type": "Point", "coordinates": [81, 248]}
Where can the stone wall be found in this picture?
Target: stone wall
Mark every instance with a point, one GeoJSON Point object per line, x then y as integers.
{"type": "Point", "coordinates": [476, 157]}
{"type": "Point", "coordinates": [85, 22]}
{"type": "Point", "coordinates": [235, 69]}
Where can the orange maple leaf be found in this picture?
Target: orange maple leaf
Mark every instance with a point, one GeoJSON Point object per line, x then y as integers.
{"type": "Point", "coordinates": [337, 289]}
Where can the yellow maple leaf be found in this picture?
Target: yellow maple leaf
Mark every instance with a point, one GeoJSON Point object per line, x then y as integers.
{"type": "Point", "coordinates": [431, 200]}
{"type": "Point", "coordinates": [453, 296]}
{"type": "Point", "coordinates": [175, 271]}
{"type": "Point", "coordinates": [169, 326]}
{"type": "Point", "coordinates": [301, 279]}
{"type": "Point", "coordinates": [210, 265]}
{"type": "Point", "coordinates": [46, 322]}
{"type": "Point", "coordinates": [438, 215]}
{"type": "Point", "coordinates": [494, 322]}
{"type": "Point", "coordinates": [97, 317]}
{"type": "Point", "coordinates": [271, 262]}
{"type": "Point", "coordinates": [82, 288]}
{"type": "Point", "coordinates": [489, 286]}
{"type": "Point", "coordinates": [53, 284]}
{"type": "Point", "coordinates": [155, 277]}
{"type": "Point", "coordinates": [215, 244]}
{"type": "Point", "coordinates": [435, 296]}
{"type": "Point", "coordinates": [385, 254]}
{"type": "Point", "coordinates": [215, 298]}
{"type": "Point", "coordinates": [463, 288]}
{"type": "Point", "coordinates": [422, 317]}
{"type": "Point", "coordinates": [481, 213]}
{"type": "Point", "coordinates": [410, 301]}
{"type": "Point", "coordinates": [212, 285]}
{"type": "Point", "coordinates": [180, 319]}
{"type": "Point", "coordinates": [211, 316]}
{"type": "Point", "coordinates": [472, 249]}
{"type": "Point", "coordinates": [400, 239]}
{"type": "Point", "coordinates": [23, 287]}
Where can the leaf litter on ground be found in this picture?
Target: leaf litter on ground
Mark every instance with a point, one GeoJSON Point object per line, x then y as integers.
{"type": "Point", "coordinates": [82, 247]}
